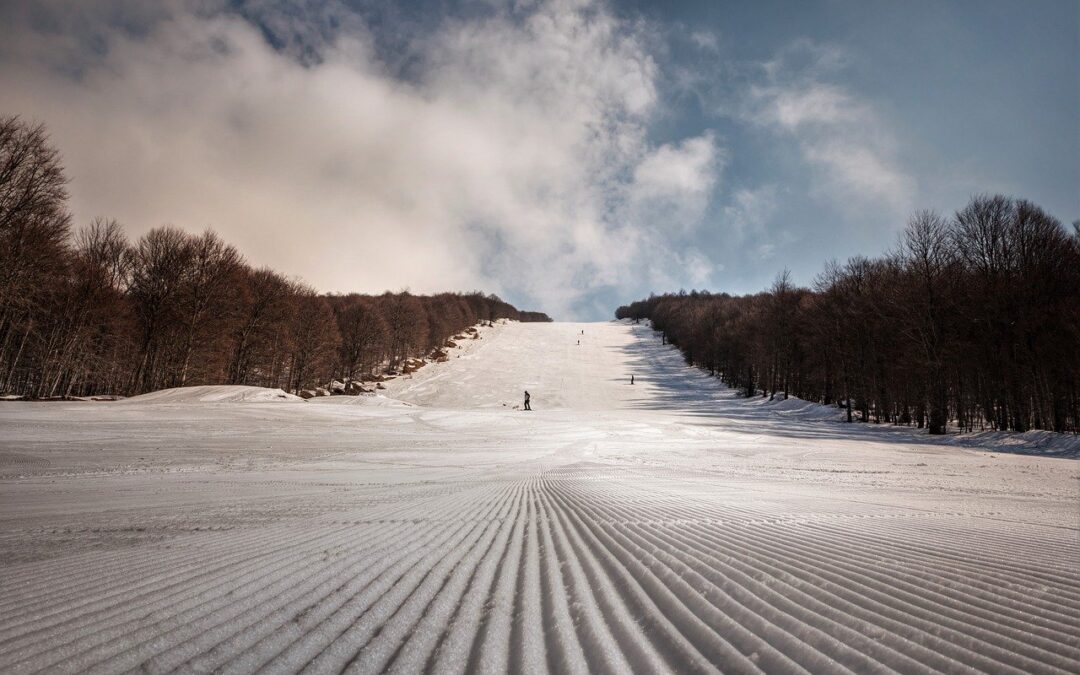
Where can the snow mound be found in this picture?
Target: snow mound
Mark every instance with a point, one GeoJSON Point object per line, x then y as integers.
{"type": "Point", "coordinates": [798, 408]}
{"type": "Point", "coordinates": [223, 393]}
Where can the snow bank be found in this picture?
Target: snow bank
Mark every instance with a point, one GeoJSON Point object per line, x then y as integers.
{"type": "Point", "coordinates": [223, 393]}
{"type": "Point", "coordinates": [1027, 443]}
{"type": "Point", "coordinates": [798, 408]}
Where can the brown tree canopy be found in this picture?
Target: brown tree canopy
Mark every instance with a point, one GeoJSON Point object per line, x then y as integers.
{"type": "Point", "coordinates": [92, 313]}
{"type": "Point", "coordinates": [973, 320]}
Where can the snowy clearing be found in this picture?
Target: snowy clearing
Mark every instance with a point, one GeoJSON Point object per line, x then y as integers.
{"type": "Point", "coordinates": [662, 526]}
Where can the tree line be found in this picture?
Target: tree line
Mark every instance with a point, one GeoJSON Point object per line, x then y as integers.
{"type": "Point", "coordinates": [971, 321]}
{"type": "Point", "coordinates": [86, 311]}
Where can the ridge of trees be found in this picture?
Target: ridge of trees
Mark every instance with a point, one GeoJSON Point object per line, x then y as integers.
{"type": "Point", "coordinates": [972, 321]}
{"type": "Point", "coordinates": [85, 312]}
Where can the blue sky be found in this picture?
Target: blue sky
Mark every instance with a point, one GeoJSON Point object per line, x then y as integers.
{"type": "Point", "coordinates": [569, 155]}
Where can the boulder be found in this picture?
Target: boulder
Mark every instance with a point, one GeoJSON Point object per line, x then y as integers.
{"type": "Point", "coordinates": [355, 388]}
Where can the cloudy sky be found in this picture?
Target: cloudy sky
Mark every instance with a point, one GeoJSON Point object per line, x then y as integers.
{"type": "Point", "coordinates": [569, 155]}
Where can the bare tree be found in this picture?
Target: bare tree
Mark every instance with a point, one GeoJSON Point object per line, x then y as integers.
{"type": "Point", "coordinates": [258, 336]}
{"type": "Point", "coordinates": [973, 320]}
{"type": "Point", "coordinates": [160, 263]}
{"type": "Point", "coordinates": [34, 228]}
{"type": "Point", "coordinates": [405, 322]}
{"type": "Point", "coordinates": [314, 339]}
{"type": "Point", "coordinates": [212, 269]}
{"type": "Point", "coordinates": [363, 336]}
{"type": "Point", "coordinates": [926, 304]}
{"type": "Point", "coordinates": [89, 313]}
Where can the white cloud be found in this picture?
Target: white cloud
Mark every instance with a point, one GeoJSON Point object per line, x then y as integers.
{"type": "Point", "coordinates": [750, 219]}
{"type": "Point", "coordinates": [514, 158]}
{"type": "Point", "coordinates": [750, 211]}
{"type": "Point", "coordinates": [672, 184]}
{"type": "Point", "coordinates": [816, 104]}
{"type": "Point", "coordinates": [839, 134]}
{"type": "Point", "coordinates": [705, 40]}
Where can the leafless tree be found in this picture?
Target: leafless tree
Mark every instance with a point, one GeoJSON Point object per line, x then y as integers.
{"type": "Point", "coordinates": [972, 321]}
{"type": "Point", "coordinates": [34, 230]}
{"type": "Point", "coordinates": [212, 270]}
{"type": "Point", "coordinates": [315, 339]}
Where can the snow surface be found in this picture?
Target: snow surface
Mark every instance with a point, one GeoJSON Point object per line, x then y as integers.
{"type": "Point", "coordinates": [662, 526]}
{"type": "Point", "coordinates": [214, 394]}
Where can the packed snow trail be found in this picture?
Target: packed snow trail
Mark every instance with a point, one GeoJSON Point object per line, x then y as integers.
{"type": "Point", "coordinates": [662, 526]}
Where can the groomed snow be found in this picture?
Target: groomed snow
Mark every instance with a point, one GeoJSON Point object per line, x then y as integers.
{"type": "Point", "coordinates": [234, 393]}
{"type": "Point", "coordinates": [667, 525]}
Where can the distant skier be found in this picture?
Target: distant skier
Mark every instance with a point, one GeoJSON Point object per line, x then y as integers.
{"type": "Point", "coordinates": [527, 406]}
{"type": "Point", "coordinates": [631, 379]}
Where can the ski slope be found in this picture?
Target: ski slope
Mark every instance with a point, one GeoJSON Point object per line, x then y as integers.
{"type": "Point", "coordinates": [665, 526]}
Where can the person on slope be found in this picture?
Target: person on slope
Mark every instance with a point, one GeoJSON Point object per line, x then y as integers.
{"type": "Point", "coordinates": [631, 379]}
{"type": "Point", "coordinates": [527, 406]}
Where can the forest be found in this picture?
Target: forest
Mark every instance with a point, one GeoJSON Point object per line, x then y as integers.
{"type": "Point", "coordinates": [87, 312]}
{"type": "Point", "coordinates": [971, 322]}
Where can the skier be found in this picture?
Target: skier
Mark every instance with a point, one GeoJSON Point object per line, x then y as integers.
{"type": "Point", "coordinates": [527, 407]}
{"type": "Point", "coordinates": [631, 379]}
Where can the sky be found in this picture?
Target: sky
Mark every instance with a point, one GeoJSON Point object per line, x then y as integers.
{"type": "Point", "coordinates": [570, 155]}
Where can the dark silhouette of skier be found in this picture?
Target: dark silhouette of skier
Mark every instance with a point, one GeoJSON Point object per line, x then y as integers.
{"type": "Point", "coordinates": [631, 379]}
{"type": "Point", "coordinates": [527, 406]}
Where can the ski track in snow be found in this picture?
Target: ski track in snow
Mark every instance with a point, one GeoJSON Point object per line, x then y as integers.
{"type": "Point", "coordinates": [667, 526]}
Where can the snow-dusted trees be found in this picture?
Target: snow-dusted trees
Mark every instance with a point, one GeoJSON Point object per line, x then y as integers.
{"type": "Point", "coordinates": [972, 320]}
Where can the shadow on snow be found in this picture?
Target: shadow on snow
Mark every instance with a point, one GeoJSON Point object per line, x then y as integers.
{"type": "Point", "coordinates": [680, 388]}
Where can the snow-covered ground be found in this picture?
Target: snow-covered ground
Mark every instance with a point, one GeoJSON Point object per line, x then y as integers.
{"type": "Point", "coordinates": [662, 526]}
